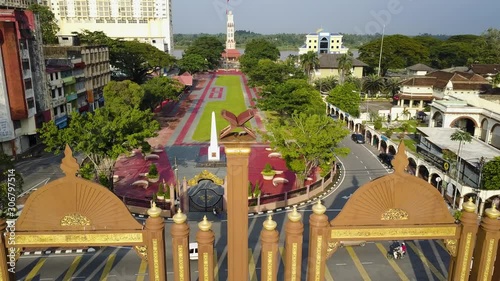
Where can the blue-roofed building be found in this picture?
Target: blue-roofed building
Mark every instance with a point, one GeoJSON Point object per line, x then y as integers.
{"type": "Point", "coordinates": [323, 43]}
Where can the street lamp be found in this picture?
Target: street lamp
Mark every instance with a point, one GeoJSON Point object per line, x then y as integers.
{"type": "Point", "coordinates": [366, 103]}
{"type": "Point", "coordinates": [438, 181]}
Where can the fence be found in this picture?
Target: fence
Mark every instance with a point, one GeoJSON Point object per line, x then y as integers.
{"type": "Point", "coordinates": [271, 202]}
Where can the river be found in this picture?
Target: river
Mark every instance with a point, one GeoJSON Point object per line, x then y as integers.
{"type": "Point", "coordinates": [283, 54]}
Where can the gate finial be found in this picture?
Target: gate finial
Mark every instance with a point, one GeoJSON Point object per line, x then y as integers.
{"type": "Point", "coordinates": [68, 164]}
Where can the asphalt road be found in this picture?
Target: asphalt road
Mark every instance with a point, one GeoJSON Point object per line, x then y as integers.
{"type": "Point", "coordinates": [427, 260]}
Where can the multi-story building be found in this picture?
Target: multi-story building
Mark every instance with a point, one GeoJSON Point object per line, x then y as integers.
{"type": "Point", "coordinates": [92, 77]}
{"type": "Point", "coordinates": [323, 43]}
{"type": "Point", "coordinates": [148, 21]}
{"type": "Point", "coordinates": [24, 95]}
{"type": "Point", "coordinates": [329, 66]}
{"type": "Point", "coordinates": [59, 108]}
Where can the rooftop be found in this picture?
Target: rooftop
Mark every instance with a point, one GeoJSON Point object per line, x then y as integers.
{"type": "Point", "coordinates": [470, 152]}
{"type": "Point", "coordinates": [420, 67]}
{"type": "Point", "coordinates": [331, 61]}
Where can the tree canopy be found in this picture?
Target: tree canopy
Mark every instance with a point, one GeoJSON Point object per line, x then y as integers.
{"type": "Point", "coordinates": [48, 23]}
{"type": "Point", "coordinates": [192, 63]}
{"type": "Point", "coordinates": [255, 50]}
{"type": "Point", "coordinates": [123, 95]}
{"type": "Point", "coordinates": [307, 141]}
{"type": "Point", "coordinates": [294, 95]}
{"type": "Point", "coordinates": [491, 174]}
{"type": "Point", "coordinates": [101, 136]}
{"type": "Point", "coordinates": [11, 185]}
{"type": "Point", "coordinates": [346, 98]}
{"type": "Point", "coordinates": [158, 89]}
{"type": "Point", "coordinates": [209, 48]}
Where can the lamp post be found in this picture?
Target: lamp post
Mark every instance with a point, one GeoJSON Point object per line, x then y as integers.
{"type": "Point", "coordinates": [176, 170]}
{"type": "Point", "coordinates": [438, 181]}
{"type": "Point", "coordinates": [366, 103]}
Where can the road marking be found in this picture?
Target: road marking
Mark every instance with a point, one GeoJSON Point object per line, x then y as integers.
{"type": "Point", "coordinates": [426, 262]}
{"type": "Point", "coordinates": [42, 183]}
{"type": "Point", "coordinates": [251, 266]}
{"type": "Point", "coordinates": [142, 270]}
{"type": "Point", "coordinates": [358, 264]}
{"type": "Point", "coordinates": [72, 268]}
{"type": "Point", "coordinates": [216, 268]}
{"type": "Point", "coordinates": [393, 263]}
{"type": "Point", "coordinates": [362, 163]}
{"type": "Point", "coordinates": [107, 268]}
{"type": "Point", "coordinates": [366, 167]}
{"type": "Point", "coordinates": [282, 255]}
{"type": "Point", "coordinates": [328, 275]}
{"type": "Point", "coordinates": [347, 197]}
{"type": "Point", "coordinates": [34, 271]}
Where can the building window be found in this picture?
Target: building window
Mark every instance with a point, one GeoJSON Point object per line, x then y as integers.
{"type": "Point", "coordinates": [309, 41]}
{"type": "Point", "coordinates": [53, 93]}
{"type": "Point", "coordinates": [61, 109]}
{"type": "Point", "coordinates": [27, 84]}
{"type": "Point", "coordinates": [17, 124]}
{"type": "Point", "coordinates": [31, 102]}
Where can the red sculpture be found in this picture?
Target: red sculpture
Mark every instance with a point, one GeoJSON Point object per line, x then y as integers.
{"type": "Point", "coordinates": [237, 122]}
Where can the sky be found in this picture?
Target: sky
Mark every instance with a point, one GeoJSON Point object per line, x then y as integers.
{"type": "Point", "coordinates": [409, 17]}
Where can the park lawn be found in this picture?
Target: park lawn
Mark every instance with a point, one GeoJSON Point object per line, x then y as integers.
{"type": "Point", "coordinates": [234, 102]}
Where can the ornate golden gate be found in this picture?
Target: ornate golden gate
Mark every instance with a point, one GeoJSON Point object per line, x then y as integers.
{"type": "Point", "coordinates": [74, 212]}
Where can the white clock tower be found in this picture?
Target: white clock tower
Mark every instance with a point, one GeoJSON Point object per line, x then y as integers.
{"type": "Point", "coordinates": [230, 43]}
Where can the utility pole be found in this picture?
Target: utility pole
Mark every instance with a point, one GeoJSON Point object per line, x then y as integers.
{"type": "Point", "coordinates": [381, 47]}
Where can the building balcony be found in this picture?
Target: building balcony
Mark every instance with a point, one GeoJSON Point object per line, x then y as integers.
{"type": "Point", "coordinates": [25, 54]}
{"type": "Point", "coordinates": [58, 101]}
{"type": "Point", "coordinates": [26, 73]}
{"type": "Point", "coordinates": [69, 80]}
{"type": "Point", "coordinates": [56, 83]}
{"type": "Point", "coordinates": [71, 97]}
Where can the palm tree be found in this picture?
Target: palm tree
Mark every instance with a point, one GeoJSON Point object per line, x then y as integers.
{"type": "Point", "coordinates": [326, 84]}
{"type": "Point", "coordinates": [373, 84]}
{"type": "Point", "coordinates": [391, 86]}
{"type": "Point", "coordinates": [345, 66]}
{"type": "Point", "coordinates": [309, 61]}
{"type": "Point", "coordinates": [461, 137]}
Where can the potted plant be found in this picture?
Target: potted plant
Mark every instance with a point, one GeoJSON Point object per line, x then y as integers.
{"type": "Point", "coordinates": [256, 190]}
{"type": "Point", "coordinates": [153, 173]}
{"type": "Point", "coordinates": [146, 148]}
{"type": "Point", "coordinates": [268, 172]}
{"type": "Point", "coordinates": [166, 191]}
{"type": "Point", "coordinates": [250, 191]}
{"type": "Point", "coordinates": [160, 195]}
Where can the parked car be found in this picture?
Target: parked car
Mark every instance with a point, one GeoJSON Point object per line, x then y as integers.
{"type": "Point", "coordinates": [386, 159]}
{"type": "Point", "coordinates": [352, 243]}
{"type": "Point", "coordinates": [358, 138]}
{"type": "Point", "coordinates": [193, 251]}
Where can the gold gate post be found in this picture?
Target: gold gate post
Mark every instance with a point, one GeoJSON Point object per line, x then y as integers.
{"type": "Point", "coordinates": [4, 270]}
{"type": "Point", "coordinates": [205, 238]}
{"type": "Point", "coordinates": [180, 247]}
{"type": "Point", "coordinates": [155, 228]}
{"type": "Point", "coordinates": [269, 237]}
{"type": "Point", "coordinates": [460, 265]}
{"type": "Point", "coordinates": [496, 271]}
{"type": "Point", "coordinates": [487, 246]}
{"type": "Point", "coordinates": [294, 229]}
{"type": "Point", "coordinates": [237, 154]}
{"type": "Point", "coordinates": [318, 226]}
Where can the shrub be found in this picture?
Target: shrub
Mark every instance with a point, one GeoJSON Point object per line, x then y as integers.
{"type": "Point", "coordinates": [153, 171]}
{"type": "Point", "coordinates": [378, 124]}
{"type": "Point", "coordinates": [256, 191]}
{"type": "Point", "coordinates": [268, 168]}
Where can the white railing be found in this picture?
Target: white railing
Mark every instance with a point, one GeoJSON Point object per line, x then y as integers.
{"type": "Point", "coordinates": [58, 101]}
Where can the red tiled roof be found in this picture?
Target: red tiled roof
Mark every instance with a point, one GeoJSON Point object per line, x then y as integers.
{"type": "Point", "coordinates": [185, 78]}
{"type": "Point", "coordinates": [231, 53]}
{"type": "Point", "coordinates": [420, 81]}
{"type": "Point", "coordinates": [484, 69]}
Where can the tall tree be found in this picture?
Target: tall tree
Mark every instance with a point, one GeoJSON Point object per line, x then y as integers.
{"type": "Point", "coordinates": [193, 63]}
{"type": "Point", "coordinates": [48, 23]}
{"type": "Point", "coordinates": [309, 62]}
{"type": "Point", "coordinates": [398, 52]}
{"type": "Point", "coordinates": [492, 45]}
{"type": "Point", "coordinates": [94, 38]}
{"type": "Point", "coordinates": [462, 137]}
{"type": "Point", "coordinates": [307, 141]}
{"type": "Point", "coordinates": [326, 84]}
{"type": "Point", "coordinates": [267, 72]}
{"type": "Point", "coordinates": [346, 97]}
{"type": "Point", "coordinates": [123, 95]}
{"type": "Point", "coordinates": [255, 50]}
{"type": "Point", "coordinates": [209, 48]}
{"type": "Point", "coordinates": [11, 185]}
{"type": "Point", "coordinates": [490, 174]}
{"type": "Point", "coordinates": [101, 136]}
{"type": "Point", "coordinates": [391, 86]}
{"type": "Point", "coordinates": [294, 95]}
{"type": "Point", "coordinates": [158, 89]}
{"type": "Point", "coordinates": [136, 59]}
{"type": "Point", "coordinates": [345, 66]}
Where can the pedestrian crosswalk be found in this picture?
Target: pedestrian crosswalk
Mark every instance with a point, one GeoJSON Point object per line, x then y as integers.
{"type": "Point", "coordinates": [426, 260]}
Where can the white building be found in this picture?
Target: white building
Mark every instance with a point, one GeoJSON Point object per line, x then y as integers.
{"type": "Point", "coordinates": [230, 42]}
{"type": "Point", "coordinates": [324, 43]}
{"type": "Point", "coordinates": [148, 21]}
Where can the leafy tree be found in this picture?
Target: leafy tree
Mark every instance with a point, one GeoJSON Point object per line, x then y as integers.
{"type": "Point", "coordinates": [294, 95]}
{"type": "Point", "coordinates": [399, 51]}
{"type": "Point", "coordinates": [158, 89]}
{"type": "Point", "coordinates": [452, 53]}
{"type": "Point", "coordinates": [391, 86]}
{"type": "Point", "coordinates": [267, 72]}
{"type": "Point", "coordinates": [491, 54]}
{"type": "Point", "coordinates": [491, 174]}
{"type": "Point", "coordinates": [346, 98]}
{"type": "Point", "coordinates": [101, 136]}
{"type": "Point", "coordinates": [496, 80]}
{"type": "Point", "coordinates": [192, 63]}
{"type": "Point", "coordinates": [209, 48]}
{"type": "Point", "coordinates": [95, 38]}
{"type": "Point", "coordinates": [372, 84]}
{"type": "Point", "coordinates": [136, 59]}
{"type": "Point", "coordinates": [307, 141]}
{"type": "Point", "coordinates": [462, 137]}
{"type": "Point", "coordinates": [256, 50]}
{"type": "Point", "coordinates": [123, 95]}
{"type": "Point", "coordinates": [48, 23]}
{"type": "Point", "coordinates": [11, 185]}
{"type": "Point", "coordinates": [309, 61]}
{"type": "Point", "coordinates": [345, 66]}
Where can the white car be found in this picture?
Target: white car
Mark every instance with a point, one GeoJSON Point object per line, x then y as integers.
{"type": "Point", "coordinates": [193, 251]}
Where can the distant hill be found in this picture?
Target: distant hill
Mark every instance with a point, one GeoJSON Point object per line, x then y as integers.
{"type": "Point", "coordinates": [284, 41]}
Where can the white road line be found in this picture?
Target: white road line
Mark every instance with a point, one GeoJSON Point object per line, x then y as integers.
{"type": "Point", "coordinates": [361, 162]}
{"type": "Point", "coordinates": [367, 262]}
{"type": "Point", "coordinates": [42, 183]}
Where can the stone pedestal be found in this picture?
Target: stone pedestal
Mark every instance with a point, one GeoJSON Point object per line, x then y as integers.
{"type": "Point", "coordinates": [205, 238]}
{"type": "Point", "coordinates": [294, 230]}
{"type": "Point", "coordinates": [180, 247]}
{"type": "Point", "coordinates": [486, 247]}
{"type": "Point", "coordinates": [269, 237]}
{"type": "Point", "coordinates": [318, 226]}
{"type": "Point", "coordinates": [155, 227]}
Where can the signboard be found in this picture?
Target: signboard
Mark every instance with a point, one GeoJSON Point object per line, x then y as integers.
{"type": "Point", "coordinates": [384, 138]}
{"type": "Point", "coordinates": [439, 162]}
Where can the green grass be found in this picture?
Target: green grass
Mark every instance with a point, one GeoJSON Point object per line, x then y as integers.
{"type": "Point", "coordinates": [234, 102]}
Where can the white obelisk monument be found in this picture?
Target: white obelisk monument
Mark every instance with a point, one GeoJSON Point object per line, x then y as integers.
{"type": "Point", "coordinates": [213, 149]}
